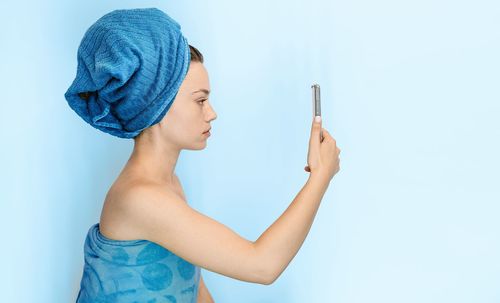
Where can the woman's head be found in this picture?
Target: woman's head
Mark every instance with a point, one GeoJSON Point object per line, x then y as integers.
{"type": "Point", "coordinates": [131, 64]}
{"type": "Point", "coordinates": [190, 114]}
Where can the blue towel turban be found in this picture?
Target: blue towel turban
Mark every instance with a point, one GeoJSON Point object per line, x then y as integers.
{"type": "Point", "coordinates": [131, 63]}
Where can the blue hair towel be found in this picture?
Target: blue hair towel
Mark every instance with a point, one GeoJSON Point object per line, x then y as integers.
{"type": "Point", "coordinates": [131, 63]}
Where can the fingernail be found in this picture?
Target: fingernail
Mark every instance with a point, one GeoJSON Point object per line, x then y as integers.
{"type": "Point", "coordinates": [317, 119]}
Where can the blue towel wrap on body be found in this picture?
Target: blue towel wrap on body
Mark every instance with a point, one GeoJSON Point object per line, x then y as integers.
{"type": "Point", "coordinates": [119, 271]}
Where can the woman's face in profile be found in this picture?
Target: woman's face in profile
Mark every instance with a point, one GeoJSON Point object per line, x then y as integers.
{"type": "Point", "coordinates": [191, 113]}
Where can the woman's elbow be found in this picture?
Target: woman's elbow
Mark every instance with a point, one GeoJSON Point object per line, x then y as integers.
{"type": "Point", "coordinates": [268, 277]}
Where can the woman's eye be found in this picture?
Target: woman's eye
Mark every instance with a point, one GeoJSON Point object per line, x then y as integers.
{"type": "Point", "coordinates": [202, 100]}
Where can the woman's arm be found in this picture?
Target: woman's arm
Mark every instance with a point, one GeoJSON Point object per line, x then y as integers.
{"type": "Point", "coordinates": [281, 241]}
{"type": "Point", "coordinates": [163, 217]}
{"type": "Point", "coordinates": [203, 294]}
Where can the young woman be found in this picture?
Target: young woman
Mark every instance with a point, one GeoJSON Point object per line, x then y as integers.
{"type": "Point", "coordinates": [149, 244]}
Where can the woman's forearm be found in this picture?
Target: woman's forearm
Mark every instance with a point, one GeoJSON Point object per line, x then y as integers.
{"type": "Point", "coordinates": [278, 245]}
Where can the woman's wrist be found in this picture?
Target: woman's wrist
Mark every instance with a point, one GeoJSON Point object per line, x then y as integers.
{"type": "Point", "coordinates": [318, 176]}
{"type": "Point", "coordinates": [319, 181]}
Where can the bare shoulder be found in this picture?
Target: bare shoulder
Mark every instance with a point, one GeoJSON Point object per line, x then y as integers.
{"type": "Point", "coordinates": [151, 212]}
{"type": "Point", "coordinates": [126, 199]}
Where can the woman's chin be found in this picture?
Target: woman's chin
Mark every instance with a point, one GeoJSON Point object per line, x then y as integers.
{"type": "Point", "coordinates": [199, 146]}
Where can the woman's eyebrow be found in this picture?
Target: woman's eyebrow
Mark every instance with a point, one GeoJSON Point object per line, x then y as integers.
{"type": "Point", "coordinates": [201, 90]}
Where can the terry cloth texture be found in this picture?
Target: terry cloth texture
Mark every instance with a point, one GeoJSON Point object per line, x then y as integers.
{"type": "Point", "coordinates": [130, 65]}
{"type": "Point", "coordinates": [125, 271]}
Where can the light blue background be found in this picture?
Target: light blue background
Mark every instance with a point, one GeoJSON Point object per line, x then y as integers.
{"type": "Point", "coordinates": [410, 92]}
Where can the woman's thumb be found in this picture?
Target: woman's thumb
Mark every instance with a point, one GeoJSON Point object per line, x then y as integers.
{"type": "Point", "coordinates": [316, 131]}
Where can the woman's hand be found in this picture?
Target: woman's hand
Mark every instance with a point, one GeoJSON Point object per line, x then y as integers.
{"type": "Point", "coordinates": [323, 155]}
